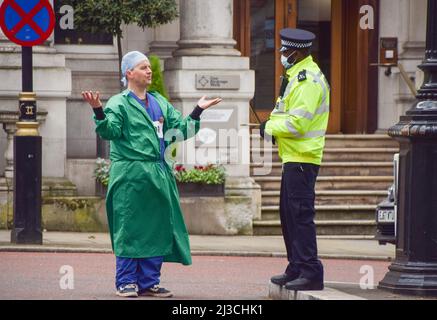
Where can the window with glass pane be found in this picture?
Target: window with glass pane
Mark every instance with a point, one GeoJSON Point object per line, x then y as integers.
{"type": "Point", "coordinates": [262, 57]}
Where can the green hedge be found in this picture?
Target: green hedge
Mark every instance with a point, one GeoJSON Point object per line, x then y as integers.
{"type": "Point", "coordinates": [157, 78]}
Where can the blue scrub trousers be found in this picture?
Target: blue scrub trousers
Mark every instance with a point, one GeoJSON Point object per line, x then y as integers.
{"type": "Point", "coordinates": [145, 272]}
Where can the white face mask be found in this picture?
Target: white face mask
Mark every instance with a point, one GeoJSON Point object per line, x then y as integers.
{"type": "Point", "coordinates": [286, 63]}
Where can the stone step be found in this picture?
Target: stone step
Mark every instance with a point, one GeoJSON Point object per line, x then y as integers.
{"type": "Point", "coordinates": [332, 154]}
{"type": "Point", "coordinates": [324, 228]}
{"type": "Point", "coordinates": [334, 183]}
{"type": "Point", "coordinates": [328, 212]}
{"type": "Point", "coordinates": [351, 141]}
{"type": "Point", "coordinates": [360, 141]}
{"type": "Point", "coordinates": [340, 197]}
{"type": "Point", "coordinates": [53, 187]}
{"type": "Point", "coordinates": [330, 169]}
{"type": "Point", "coordinates": [353, 179]}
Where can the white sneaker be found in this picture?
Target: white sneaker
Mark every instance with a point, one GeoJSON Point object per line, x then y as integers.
{"type": "Point", "coordinates": [157, 291]}
{"type": "Point", "coordinates": [128, 290]}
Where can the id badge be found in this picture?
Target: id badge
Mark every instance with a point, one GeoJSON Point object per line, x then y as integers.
{"type": "Point", "coordinates": [159, 126]}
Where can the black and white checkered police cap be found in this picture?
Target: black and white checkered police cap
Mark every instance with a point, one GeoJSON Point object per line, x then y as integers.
{"type": "Point", "coordinates": [295, 39]}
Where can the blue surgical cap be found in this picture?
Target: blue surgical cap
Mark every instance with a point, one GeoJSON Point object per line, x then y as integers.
{"type": "Point", "coordinates": [130, 60]}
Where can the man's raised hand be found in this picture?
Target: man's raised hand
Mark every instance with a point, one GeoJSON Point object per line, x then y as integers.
{"type": "Point", "coordinates": [92, 99]}
{"type": "Point", "coordinates": [205, 104]}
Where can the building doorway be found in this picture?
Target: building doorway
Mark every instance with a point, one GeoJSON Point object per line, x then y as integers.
{"type": "Point", "coordinates": [343, 51]}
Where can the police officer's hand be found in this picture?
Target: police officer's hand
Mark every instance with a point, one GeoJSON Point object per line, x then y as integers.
{"type": "Point", "coordinates": [92, 98]}
{"type": "Point", "coordinates": [205, 104]}
{"type": "Point", "coordinates": [262, 129]}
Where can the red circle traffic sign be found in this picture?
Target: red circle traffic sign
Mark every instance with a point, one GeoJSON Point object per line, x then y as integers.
{"type": "Point", "coordinates": [27, 23]}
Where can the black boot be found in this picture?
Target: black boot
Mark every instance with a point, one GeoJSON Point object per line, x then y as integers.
{"type": "Point", "coordinates": [282, 279]}
{"type": "Point", "coordinates": [302, 284]}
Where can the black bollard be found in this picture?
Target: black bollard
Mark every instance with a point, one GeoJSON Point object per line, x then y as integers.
{"type": "Point", "coordinates": [27, 163]}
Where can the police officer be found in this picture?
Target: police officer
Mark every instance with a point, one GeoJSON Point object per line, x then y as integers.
{"type": "Point", "coordinates": [298, 125]}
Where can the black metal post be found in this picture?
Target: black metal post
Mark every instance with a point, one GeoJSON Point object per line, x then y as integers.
{"type": "Point", "coordinates": [414, 270]}
{"type": "Point", "coordinates": [27, 162]}
{"type": "Point", "coordinates": [27, 64]}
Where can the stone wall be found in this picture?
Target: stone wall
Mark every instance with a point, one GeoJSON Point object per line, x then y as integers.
{"type": "Point", "coordinates": [406, 20]}
{"type": "Point", "coordinates": [49, 68]}
{"type": "Point", "coordinates": [69, 142]}
{"type": "Point", "coordinates": [230, 215]}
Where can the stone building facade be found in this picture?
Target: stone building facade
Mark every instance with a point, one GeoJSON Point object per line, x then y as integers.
{"type": "Point", "coordinates": [216, 39]}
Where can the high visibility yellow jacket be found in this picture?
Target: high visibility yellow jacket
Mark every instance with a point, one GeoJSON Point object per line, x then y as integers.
{"type": "Point", "coordinates": [300, 118]}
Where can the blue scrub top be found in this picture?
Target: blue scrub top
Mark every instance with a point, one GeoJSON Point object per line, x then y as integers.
{"type": "Point", "coordinates": [155, 113]}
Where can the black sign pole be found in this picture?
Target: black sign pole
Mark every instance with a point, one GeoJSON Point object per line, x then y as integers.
{"type": "Point", "coordinates": [27, 162]}
{"type": "Point", "coordinates": [27, 69]}
{"type": "Point", "coordinates": [414, 270]}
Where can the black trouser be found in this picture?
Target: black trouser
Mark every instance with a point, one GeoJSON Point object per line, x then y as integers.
{"type": "Point", "coordinates": [297, 220]}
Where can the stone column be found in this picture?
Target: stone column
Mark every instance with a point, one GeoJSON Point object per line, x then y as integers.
{"type": "Point", "coordinates": [10, 129]}
{"type": "Point", "coordinates": [206, 28]}
{"type": "Point", "coordinates": [206, 63]}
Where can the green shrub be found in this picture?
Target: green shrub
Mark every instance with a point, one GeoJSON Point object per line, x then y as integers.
{"type": "Point", "coordinates": [157, 77]}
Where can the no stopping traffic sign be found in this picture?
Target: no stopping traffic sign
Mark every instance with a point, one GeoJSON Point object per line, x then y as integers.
{"type": "Point", "coordinates": [27, 22]}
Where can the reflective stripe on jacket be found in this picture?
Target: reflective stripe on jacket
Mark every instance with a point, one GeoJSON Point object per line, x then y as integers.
{"type": "Point", "coordinates": [300, 119]}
